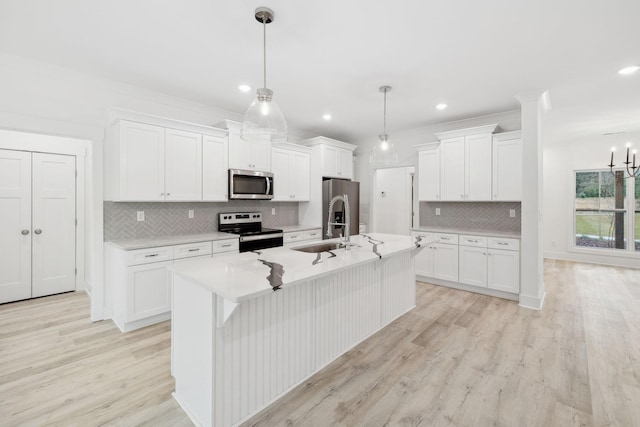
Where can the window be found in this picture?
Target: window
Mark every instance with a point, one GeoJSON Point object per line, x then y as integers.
{"type": "Point", "coordinates": [607, 206]}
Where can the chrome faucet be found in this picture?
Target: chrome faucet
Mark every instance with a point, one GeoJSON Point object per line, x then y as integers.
{"type": "Point", "coordinates": [346, 219]}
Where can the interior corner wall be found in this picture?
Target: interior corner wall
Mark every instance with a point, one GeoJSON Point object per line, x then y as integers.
{"type": "Point", "coordinates": [404, 141]}
{"type": "Point", "coordinates": [561, 159]}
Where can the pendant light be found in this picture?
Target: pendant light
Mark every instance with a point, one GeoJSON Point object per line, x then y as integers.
{"type": "Point", "coordinates": [263, 120]}
{"type": "Point", "coordinates": [383, 152]}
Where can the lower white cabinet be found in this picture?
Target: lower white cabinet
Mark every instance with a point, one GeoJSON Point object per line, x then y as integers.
{"type": "Point", "coordinates": [479, 261]}
{"type": "Point", "coordinates": [292, 238]}
{"type": "Point", "coordinates": [140, 283]}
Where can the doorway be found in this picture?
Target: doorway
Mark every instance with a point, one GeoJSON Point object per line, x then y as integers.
{"type": "Point", "coordinates": [393, 200]}
{"type": "Point", "coordinates": [37, 224]}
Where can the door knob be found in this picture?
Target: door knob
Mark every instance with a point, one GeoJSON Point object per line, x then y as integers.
{"type": "Point", "coordinates": [25, 232]}
{"type": "Point", "coordinates": [37, 231]}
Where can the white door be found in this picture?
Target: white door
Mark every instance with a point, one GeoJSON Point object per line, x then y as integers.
{"type": "Point", "coordinates": [141, 161]}
{"type": "Point", "coordinates": [473, 266]}
{"type": "Point", "coordinates": [392, 203]}
{"type": "Point", "coordinates": [452, 169]}
{"type": "Point", "coordinates": [215, 169]}
{"type": "Point", "coordinates": [183, 165]}
{"type": "Point", "coordinates": [148, 290]}
{"type": "Point", "coordinates": [15, 225]}
{"type": "Point", "coordinates": [445, 262]}
{"type": "Point", "coordinates": [53, 224]}
{"type": "Point", "coordinates": [478, 167]}
{"type": "Point", "coordinates": [429, 175]}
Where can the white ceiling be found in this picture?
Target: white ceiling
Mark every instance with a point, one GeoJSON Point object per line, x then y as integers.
{"type": "Point", "coordinates": [332, 55]}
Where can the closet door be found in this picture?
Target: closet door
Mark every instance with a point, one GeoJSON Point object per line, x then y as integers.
{"type": "Point", "coordinates": [53, 224]}
{"type": "Point", "coordinates": [15, 225]}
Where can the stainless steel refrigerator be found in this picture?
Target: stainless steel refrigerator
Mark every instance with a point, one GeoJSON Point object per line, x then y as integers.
{"type": "Point", "coordinates": [340, 187]}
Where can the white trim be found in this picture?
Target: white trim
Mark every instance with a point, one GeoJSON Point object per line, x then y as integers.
{"type": "Point", "coordinates": [116, 114]}
{"type": "Point", "coordinates": [534, 303]}
{"type": "Point", "coordinates": [466, 132]}
{"type": "Point", "coordinates": [328, 141]}
{"type": "Point", "coordinates": [427, 146]}
{"type": "Point", "coordinates": [468, 288]}
{"type": "Point", "coordinates": [507, 136]}
{"type": "Point", "coordinates": [292, 147]}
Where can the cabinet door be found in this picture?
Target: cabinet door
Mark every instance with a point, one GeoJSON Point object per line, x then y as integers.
{"type": "Point", "coordinates": [299, 171]}
{"type": "Point", "coordinates": [15, 225]}
{"type": "Point", "coordinates": [507, 170]}
{"type": "Point", "coordinates": [215, 169]}
{"type": "Point", "coordinates": [281, 175]}
{"type": "Point", "coordinates": [344, 167]}
{"type": "Point", "coordinates": [429, 175]}
{"type": "Point", "coordinates": [329, 161]}
{"type": "Point", "coordinates": [504, 270]}
{"type": "Point", "coordinates": [183, 165]}
{"type": "Point", "coordinates": [445, 262]}
{"type": "Point", "coordinates": [148, 290]}
{"type": "Point", "coordinates": [424, 258]}
{"type": "Point", "coordinates": [141, 162]}
{"type": "Point", "coordinates": [478, 167]}
{"type": "Point", "coordinates": [261, 156]}
{"type": "Point", "coordinates": [239, 152]}
{"type": "Point", "coordinates": [473, 266]}
{"type": "Point", "coordinates": [452, 169]}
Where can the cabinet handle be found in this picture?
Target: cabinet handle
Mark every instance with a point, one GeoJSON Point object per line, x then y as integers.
{"type": "Point", "coordinates": [495, 196]}
{"type": "Point", "coordinates": [293, 237]}
{"type": "Point", "coordinates": [313, 234]}
{"type": "Point", "coordinates": [151, 255]}
{"type": "Point", "coordinates": [168, 194]}
{"type": "Point", "coordinates": [162, 194]}
{"type": "Point", "coordinates": [194, 250]}
{"type": "Point", "coordinates": [226, 245]}
{"type": "Point", "coordinates": [462, 196]}
{"type": "Point", "coordinates": [473, 241]}
{"type": "Point", "coordinates": [502, 243]}
{"type": "Point", "coordinates": [37, 231]}
{"type": "Point", "coordinates": [25, 232]}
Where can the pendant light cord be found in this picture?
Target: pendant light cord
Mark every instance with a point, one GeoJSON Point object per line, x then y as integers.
{"type": "Point", "coordinates": [384, 121]}
{"type": "Point", "coordinates": [264, 49]}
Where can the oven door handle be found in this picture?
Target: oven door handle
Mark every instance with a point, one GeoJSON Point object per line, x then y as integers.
{"type": "Point", "coordinates": [268, 185]}
{"type": "Point", "coordinates": [260, 237]}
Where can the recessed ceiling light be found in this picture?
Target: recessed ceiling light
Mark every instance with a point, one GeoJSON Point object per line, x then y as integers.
{"type": "Point", "coordinates": [244, 88]}
{"type": "Point", "coordinates": [629, 70]}
{"type": "Point", "coordinates": [326, 116]}
{"type": "Point", "coordinates": [441, 106]}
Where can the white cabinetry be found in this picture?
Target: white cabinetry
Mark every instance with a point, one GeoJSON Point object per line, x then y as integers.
{"type": "Point", "coordinates": [504, 265]}
{"type": "Point", "coordinates": [162, 160]}
{"type": "Point", "coordinates": [291, 170]}
{"type": "Point", "coordinates": [507, 166]}
{"type": "Point", "coordinates": [247, 155]}
{"type": "Point", "coordinates": [466, 168]}
{"type": "Point", "coordinates": [141, 284]}
{"type": "Point", "coordinates": [429, 172]}
{"type": "Point", "coordinates": [440, 258]}
{"type": "Point", "coordinates": [292, 238]}
{"type": "Point", "coordinates": [215, 166]}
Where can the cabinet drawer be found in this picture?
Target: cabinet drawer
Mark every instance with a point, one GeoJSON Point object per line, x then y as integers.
{"type": "Point", "coordinates": [502, 243]}
{"type": "Point", "coordinates": [192, 249]}
{"type": "Point", "coordinates": [149, 255]}
{"type": "Point", "coordinates": [447, 239]}
{"type": "Point", "coordinates": [227, 245]}
{"type": "Point", "coordinates": [475, 241]}
{"type": "Point", "coordinates": [293, 237]}
{"type": "Point", "coordinates": [313, 234]}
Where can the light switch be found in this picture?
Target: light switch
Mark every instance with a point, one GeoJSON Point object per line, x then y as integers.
{"type": "Point", "coordinates": [190, 213]}
{"type": "Point", "coordinates": [140, 215]}
{"type": "Point", "coordinates": [437, 211]}
{"type": "Point", "coordinates": [512, 213]}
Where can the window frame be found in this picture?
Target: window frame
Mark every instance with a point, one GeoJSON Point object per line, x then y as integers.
{"type": "Point", "coordinates": [629, 209]}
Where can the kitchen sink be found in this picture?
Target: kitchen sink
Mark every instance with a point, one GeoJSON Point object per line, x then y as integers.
{"type": "Point", "coordinates": [319, 247]}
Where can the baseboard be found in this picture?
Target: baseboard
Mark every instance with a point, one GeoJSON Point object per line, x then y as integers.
{"type": "Point", "coordinates": [131, 326]}
{"type": "Point", "coordinates": [186, 410]}
{"type": "Point", "coordinates": [468, 288]}
{"type": "Point", "coordinates": [534, 303]}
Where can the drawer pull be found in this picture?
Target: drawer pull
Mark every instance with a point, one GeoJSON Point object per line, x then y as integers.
{"type": "Point", "coordinates": [503, 243]}
{"type": "Point", "coordinates": [313, 234]}
{"type": "Point", "coordinates": [226, 245]}
{"type": "Point", "coordinates": [194, 250]}
{"type": "Point", "coordinates": [473, 241]}
{"type": "Point", "coordinates": [293, 237]}
{"type": "Point", "coordinates": [445, 238]}
{"type": "Point", "coordinates": [151, 255]}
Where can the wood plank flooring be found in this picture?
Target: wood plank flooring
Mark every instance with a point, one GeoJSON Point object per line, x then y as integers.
{"type": "Point", "coordinates": [457, 359]}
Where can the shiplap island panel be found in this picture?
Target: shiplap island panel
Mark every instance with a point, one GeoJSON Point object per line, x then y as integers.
{"type": "Point", "coordinates": [243, 337]}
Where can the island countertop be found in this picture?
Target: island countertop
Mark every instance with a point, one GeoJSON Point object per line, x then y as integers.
{"type": "Point", "coordinates": [239, 277]}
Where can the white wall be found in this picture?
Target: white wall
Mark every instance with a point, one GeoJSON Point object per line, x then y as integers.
{"type": "Point", "coordinates": [404, 142]}
{"type": "Point", "coordinates": [560, 160]}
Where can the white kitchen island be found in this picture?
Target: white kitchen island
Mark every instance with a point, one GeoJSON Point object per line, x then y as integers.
{"type": "Point", "coordinates": [247, 328]}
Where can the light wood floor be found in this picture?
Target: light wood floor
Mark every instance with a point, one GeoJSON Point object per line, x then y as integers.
{"type": "Point", "coordinates": [456, 359]}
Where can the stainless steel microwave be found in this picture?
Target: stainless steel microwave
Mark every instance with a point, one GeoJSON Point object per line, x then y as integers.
{"type": "Point", "coordinates": [244, 184]}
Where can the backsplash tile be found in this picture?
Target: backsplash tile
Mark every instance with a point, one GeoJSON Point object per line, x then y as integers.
{"type": "Point", "coordinates": [171, 218]}
{"type": "Point", "coordinates": [471, 215]}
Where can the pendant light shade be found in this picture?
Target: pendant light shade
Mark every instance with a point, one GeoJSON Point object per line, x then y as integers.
{"type": "Point", "coordinates": [383, 152]}
{"type": "Point", "coordinates": [264, 120]}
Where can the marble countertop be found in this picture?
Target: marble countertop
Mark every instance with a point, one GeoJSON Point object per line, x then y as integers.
{"type": "Point", "coordinates": [153, 242]}
{"type": "Point", "coordinates": [488, 233]}
{"type": "Point", "coordinates": [239, 277]}
{"type": "Point", "coordinates": [300, 227]}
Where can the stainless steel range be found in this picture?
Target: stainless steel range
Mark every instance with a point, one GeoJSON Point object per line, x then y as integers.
{"type": "Point", "coordinates": [248, 225]}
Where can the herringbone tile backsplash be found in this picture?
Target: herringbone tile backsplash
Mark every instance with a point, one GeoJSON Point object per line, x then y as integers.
{"type": "Point", "coordinates": [167, 219]}
{"type": "Point", "coordinates": [471, 215]}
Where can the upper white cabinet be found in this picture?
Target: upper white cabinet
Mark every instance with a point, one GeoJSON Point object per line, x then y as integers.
{"type": "Point", "coordinates": [149, 158]}
{"type": "Point", "coordinates": [507, 166]}
{"type": "Point", "coordinates": [247, 155]}
{"type": "Point", "coordinates": [291, 170]}
{"type": "Point", "coordinates": [336, 157]}
{"type": "Point", "coordinates": [429, 172]}
{"type": "Point", "coordinates": [215, 166]}
{"type": "Point", "coordinates": [452, 173]}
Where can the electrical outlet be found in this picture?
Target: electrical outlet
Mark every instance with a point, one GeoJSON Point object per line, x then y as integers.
{"type": "Point", "coordinates": [140, 215]}
{"type": "Point", "coordinates": [190, 213]}
{"type": "Point", "coordinates": [273, 211]}
{"type": "Point", "coordinates": [512, 213]}
{"type": "Point", "coordinates": [437, 211]}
